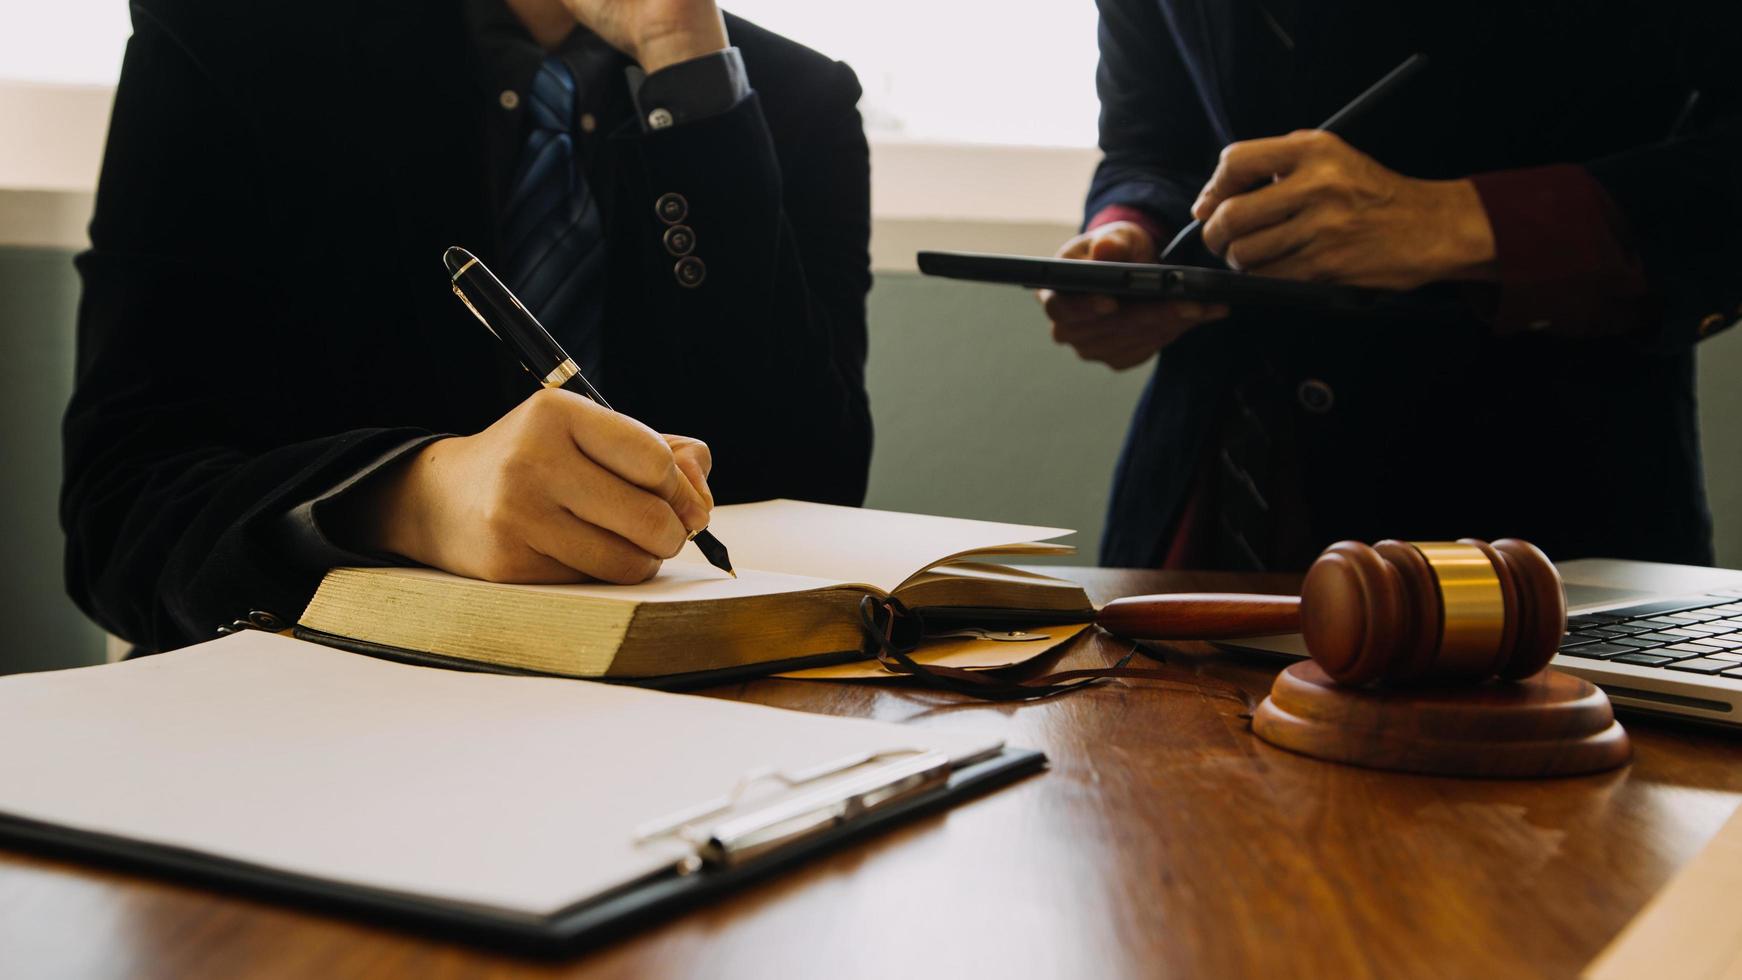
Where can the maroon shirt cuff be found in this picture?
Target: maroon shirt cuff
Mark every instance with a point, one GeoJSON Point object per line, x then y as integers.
{"type": "Point", "coordinates": [1564, 254]}
{"type": "Point", "coordinates": [1119, 212]}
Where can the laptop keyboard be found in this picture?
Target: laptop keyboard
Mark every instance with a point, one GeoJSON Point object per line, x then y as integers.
{"type": "Point", "coordinates": [1699, 635]}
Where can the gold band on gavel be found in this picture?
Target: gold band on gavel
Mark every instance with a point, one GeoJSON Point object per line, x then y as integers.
{"type": "Point", "coordinates": [1473, 610]}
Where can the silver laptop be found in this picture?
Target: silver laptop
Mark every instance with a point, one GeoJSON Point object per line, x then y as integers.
{"type": "Point", "coordinates": [1659, 638]}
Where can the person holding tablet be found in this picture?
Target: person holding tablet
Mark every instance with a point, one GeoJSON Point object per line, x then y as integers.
{"type": "Point", "coordinates": [1560, 179]}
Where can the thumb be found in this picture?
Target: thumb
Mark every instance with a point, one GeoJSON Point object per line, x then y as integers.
{"type": "Point", "coordinates": [1123, 242]}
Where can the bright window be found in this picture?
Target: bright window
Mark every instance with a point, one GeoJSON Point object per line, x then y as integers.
{"type": "Point", "coordinates": [957, 71]}
{"type": "Point", "coordinates": [67, 42]}
{"type": "Point", "coordinates": [976, 71]}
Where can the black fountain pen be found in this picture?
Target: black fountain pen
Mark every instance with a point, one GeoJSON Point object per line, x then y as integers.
{"type": "Point", "coordinates": [513, 324]}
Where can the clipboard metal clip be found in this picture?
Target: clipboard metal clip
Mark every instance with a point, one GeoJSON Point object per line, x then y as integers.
{"type": "Point", "coordinates": [822, 802]}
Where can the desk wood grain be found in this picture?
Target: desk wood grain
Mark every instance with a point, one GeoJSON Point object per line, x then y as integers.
{"type": "Point", "coordinates": [1165, 841]}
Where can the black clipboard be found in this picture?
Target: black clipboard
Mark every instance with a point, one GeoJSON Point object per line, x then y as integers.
{"type": "Point", "coordinates": [585, 924]}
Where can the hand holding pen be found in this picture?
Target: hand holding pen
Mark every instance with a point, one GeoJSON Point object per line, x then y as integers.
{"type": "Point", "coordinates": [560, 489]}
{"type": "Point", "coordinates": [513, 324]}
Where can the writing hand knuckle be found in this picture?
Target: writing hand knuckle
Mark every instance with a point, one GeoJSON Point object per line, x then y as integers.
{"type": "Point", "coordinates": [703, 456]}
{"type": "Point", "coordinates": [626, 567]}
{"type": "Point", "coordinates": [547, 403]}
{"type": "Point", "coordinates": [499, 565]}
{"type": "Point", "coordinates": [653, 467]}
{"type": "Point", "coordinates": [519, 469]}
{"type": "Point", "coordinates": [497, 518]}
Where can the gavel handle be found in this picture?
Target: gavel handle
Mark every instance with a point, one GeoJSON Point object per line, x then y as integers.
{"type": "Point", "coordinates": [1200, 616]}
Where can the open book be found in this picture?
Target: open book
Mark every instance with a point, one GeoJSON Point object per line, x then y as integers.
{"type": "Point", "coordinates": [802, 570]}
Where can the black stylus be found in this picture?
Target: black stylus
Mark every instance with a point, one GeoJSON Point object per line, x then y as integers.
{"type": "Point", "coordinates": [1393, 80]}
{"type": "Point", "coordinates": [513, 324]}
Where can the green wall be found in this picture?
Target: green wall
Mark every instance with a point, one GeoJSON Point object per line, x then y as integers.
{"type": "Point", "coordinates": [38, 297]}
{"type": "Point", "coordinates": [978, 414]}
{"type": "Point", "coordinates": [1720, 383]}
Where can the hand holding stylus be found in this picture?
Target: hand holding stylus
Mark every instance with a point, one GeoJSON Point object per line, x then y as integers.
{"type": "Point", "coordinates": [1309, 206]}
{"type": "Point", "coordinates": [1182, 245]}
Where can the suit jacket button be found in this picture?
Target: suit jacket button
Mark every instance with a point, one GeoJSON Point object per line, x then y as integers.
{"type": "Point", "coordinates": [680, 240]}
{"type": "Point", "coordinates": [690, 271]}
{"type": "Point", "coordinates": [671, 208]}
{"type": "Point", "coordinates": [1315, 396]}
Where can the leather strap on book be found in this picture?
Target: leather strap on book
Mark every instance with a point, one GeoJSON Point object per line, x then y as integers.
{"type": "Point", "coordinates": [892, 632]}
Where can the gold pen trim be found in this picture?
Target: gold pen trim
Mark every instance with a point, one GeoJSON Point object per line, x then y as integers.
{"type": "Point", "coordinates": [561, 373]}
{"type": "Point", "coordinates": [469, 263]}
{"type": "Point", "coordinates": [463, 298]}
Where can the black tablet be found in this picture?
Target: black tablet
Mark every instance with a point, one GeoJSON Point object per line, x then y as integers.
{"type": "Point", "coordinates": [1149, 281]}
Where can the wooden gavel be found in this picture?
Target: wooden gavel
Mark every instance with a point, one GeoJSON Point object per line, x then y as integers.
{"type": "Point", "coordinates": [1396, 611]}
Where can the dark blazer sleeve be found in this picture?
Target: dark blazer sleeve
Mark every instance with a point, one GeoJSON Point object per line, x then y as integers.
{"type": "Point", "coordinates": [173, 491]}
{"type": "Point", "coordinates": [1683, 202]}
{"type": "Point", "coordinates": [1156, 142]}
{"type": "Point", "coordinates": [764, 357]}
{"type": "Point", "coordinates": [1683, 197]}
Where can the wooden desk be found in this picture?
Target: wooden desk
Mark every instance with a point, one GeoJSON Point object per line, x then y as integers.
{"type": "Point", "coordinates": [1166, 840]}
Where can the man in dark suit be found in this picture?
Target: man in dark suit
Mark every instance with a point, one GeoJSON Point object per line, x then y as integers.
{"type": "Point", "coordinates": [1550, 176]}
{"type": "Point", "coordinates": [270, 357]}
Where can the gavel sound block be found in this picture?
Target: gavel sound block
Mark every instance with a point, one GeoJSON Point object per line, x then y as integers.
{"type": "Point", "coordinates": [1427, 657]}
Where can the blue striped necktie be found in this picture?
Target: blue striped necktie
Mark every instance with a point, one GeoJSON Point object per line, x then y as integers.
{"type": "Point", "coordinates": [551, 231]}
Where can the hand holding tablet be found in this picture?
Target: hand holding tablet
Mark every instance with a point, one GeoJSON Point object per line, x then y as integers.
{"type": "Point", "coordinates": [1121, 333]}
{"type": "Point", "coordinates": [1121, 312]}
